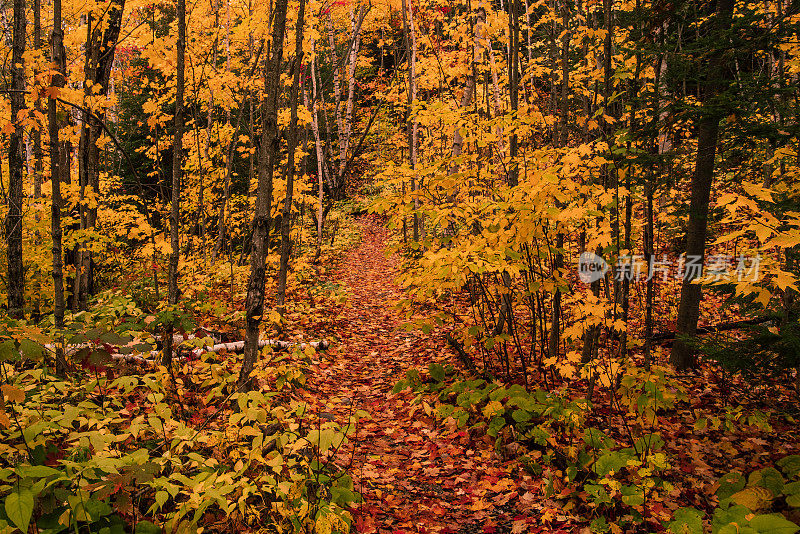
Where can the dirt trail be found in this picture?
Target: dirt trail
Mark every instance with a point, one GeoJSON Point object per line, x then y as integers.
{"type": "Point", "coordinates": [415, 474]}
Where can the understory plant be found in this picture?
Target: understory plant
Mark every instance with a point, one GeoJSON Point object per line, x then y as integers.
{"type": "Point", "coordinates": [112, 447]}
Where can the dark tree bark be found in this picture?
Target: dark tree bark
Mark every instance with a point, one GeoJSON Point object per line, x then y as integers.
{"type": "Point", "coordinates": [648, 240]}
{"type": "Point", "coordinates": [37, 134]}
{"type": "Point", "coordinates": [682, 355]}
{"type": "Point", "coordinates": [411, 95]}
{"type": "Point", "coordinates": [469, 89]}
{"type": "Point", "coordinates": [101, 43]}
{"type": "Point", "coordinates": [555, 329]}
{"type": "Point", "coordinates": [16, 163]}
{"type": "Point", "coordinates": [513, 84]}
{"type": "Point", "coordinates": [177, 172]}
{"type": "Point", "coordinates": [269, 155]}
{"type": "Point", "coordinates": [286, 218]}
{"type": "Point", "coordinates": [221, 224]}
{"type": "Point", "coordinates": [591, 335]}
{"type": "Point", "coordinates": [58, 57]}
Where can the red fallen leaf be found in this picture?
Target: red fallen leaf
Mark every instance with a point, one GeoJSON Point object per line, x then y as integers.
{"type": "Point", "coordinates": [53, 458]}
{"type": "Point", "coordinates": [489, 529]}
{"type": "Point", "coordinates": [365, 524]}
{"type": "Point", "coordinates": [464, 500]}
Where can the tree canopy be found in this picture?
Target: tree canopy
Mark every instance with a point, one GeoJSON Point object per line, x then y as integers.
{"type": "Point", "coordinates": [329, 265]}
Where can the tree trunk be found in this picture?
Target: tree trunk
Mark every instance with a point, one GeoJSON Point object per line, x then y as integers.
{"type": "Point", "coordinates": [16, 162]}
{"type": "Point", "coordinates": [344, 120]}
{"type": "Point", "coordinates": [682, 355]}
{"type": "Point", "coordinates": [469, 89]}
{"type": "Point", "coordinates": [37, 133]}
{"type": "Point", "coordinates": [100, 48]}
{"type": "Point", "coordinates": [58, 57]}
{"type": "Point", "coordinates": [592, 333]}
{"type": "Point", "coordinates": [317, 146]}
{"type": "Point", "coordinates": [286, 218]}
{"type": "Point", "coordinates": [411, 123]}
{"type": "Point", "coordinates": [268, 156]}
{"type": "Point", "coordinates": [229, 165]}
{"type": "Point", "coordinates": [513, 85]}
{"type": "Point", "coordinates": [555, 330]}
{"type": "Point", "coordinates": [226, 189]}
{"type": "Point", "coordinates": [177, 172]}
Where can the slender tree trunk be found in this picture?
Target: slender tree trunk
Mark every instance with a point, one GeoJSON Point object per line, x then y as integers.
{"type": "Point", "coordinates": [553, 67]}
{"type": "Point", "coordinates": [591, 335]}
{"type": "Point", "coordinates": [268, 157]}
{"type": "Point", "coordinates": [633, 90]}
{"type": "Point", "coordinates": [555, 326]}
{"type": "Point", "coordinates": [528, 31]}
{"type": "Point", "coordinates": [317, 147]}
{"type": "Point", "coordinates": [469, 88]}
{"type": "Point", "coordinates": [649, 252]}
{"type": "Point", "coordinates": [565, 39]}
{"type": "Point", "coordinates": [207, 151]}
{"type": "Point", "coordinates": [177, 172]}
{"type": "Point", "coordinates": [286, 218]}
{"type": "Point", "coordinates": [229, 168]}
{"type": "Point", "coordinates": [337, 84]}
{"type": "Point", "coordinates": [411, 123]}
{"type": "Point", "coordinates": [101, 42]}
{"type": "Point", "coordinates": [58, 57]}
{"type": "Point", "coordinates": [682, 356]}
{"type": "Point", "coordinates": [226, 190]}
{"type": "Point", "coordinates": [16, 163]}
{"type": "Point", "coordinates": [345, 121]}
{"type": "Point", "coordinates": [555, 329]}
{"type": "Point", "coordinates": [513, 86]}
{"type": "Point", "coordinates": [37, 133]}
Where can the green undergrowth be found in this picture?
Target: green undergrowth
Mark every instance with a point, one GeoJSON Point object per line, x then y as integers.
{"type": "Point", "coordinates": [139, 451]}
{"type": "Point", "coordinates": [118, 446]}
{"type": "Point", "coordinates": [760, 503]}
{"type": "Point", "coordinates": [609, 481]}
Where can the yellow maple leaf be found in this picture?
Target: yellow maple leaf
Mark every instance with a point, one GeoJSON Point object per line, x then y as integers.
{"type": "Point", "coordinates": [784, 280]}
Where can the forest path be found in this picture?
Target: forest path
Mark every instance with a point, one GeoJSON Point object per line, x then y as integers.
{"type": "Point", "coordinates": [415, 474]}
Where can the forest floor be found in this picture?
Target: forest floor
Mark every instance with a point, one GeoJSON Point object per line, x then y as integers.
{"type": "Point", "coordinates": [415, 474]}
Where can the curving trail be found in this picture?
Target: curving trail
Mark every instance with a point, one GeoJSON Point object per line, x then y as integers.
{"type": "Point", "coordinates": [416, 474]}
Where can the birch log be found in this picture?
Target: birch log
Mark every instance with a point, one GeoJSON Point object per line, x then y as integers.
{"type": "Point", "coordinates": [233, 346]}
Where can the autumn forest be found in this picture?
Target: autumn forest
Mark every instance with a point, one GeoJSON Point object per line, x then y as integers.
{"type": "Point", "coordinates": [395, 266]}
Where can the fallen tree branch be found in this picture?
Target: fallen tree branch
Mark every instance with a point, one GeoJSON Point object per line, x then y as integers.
{"type": "Point", "coordinates": [238, 346]}
{"type": "Point", "coordinates": [664, 337]}
{"type": "Point", "coordinates": [233, 346]}
{"type": "Point", "coordinates": [462, 354]}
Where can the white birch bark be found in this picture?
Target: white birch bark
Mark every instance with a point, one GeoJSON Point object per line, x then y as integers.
{"type": "Point", "coordinates": [317, 142]}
